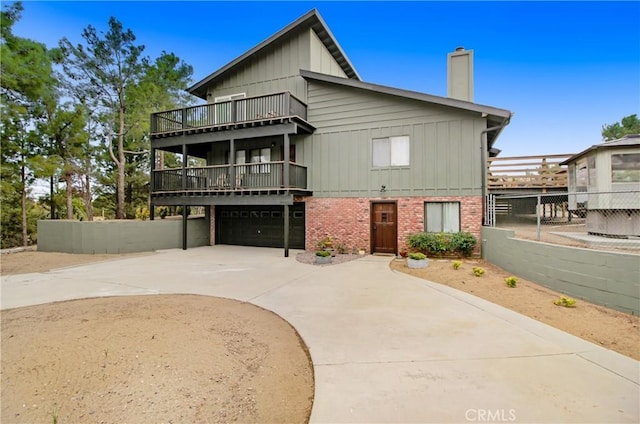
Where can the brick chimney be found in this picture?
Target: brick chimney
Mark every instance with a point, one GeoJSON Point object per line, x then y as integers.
{"type": "Point", "coordinates": [460, 74]}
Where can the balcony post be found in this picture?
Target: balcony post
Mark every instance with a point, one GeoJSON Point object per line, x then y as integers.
{"type": "Point", "coordinates": [234, 118]}
{"type": "Point", "coordinates": [184, 166]}
{"type": "Point", "coordinates": [287, 161]}
{"type": "Point", "coordinates": [232, 164]}
{"type": "Point", "coordinates": [183, 111]}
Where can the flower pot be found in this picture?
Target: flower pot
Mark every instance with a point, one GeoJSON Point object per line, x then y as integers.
{"type": "Point", "coordinates": [417, 263]}
{"type": "Point", "coordinates": [323, 260]}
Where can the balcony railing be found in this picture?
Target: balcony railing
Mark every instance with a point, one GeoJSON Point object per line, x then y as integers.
{"type": "Point", "coordinates": [254, 176]}
{"type": "Point", "coordinates": [251, 109]}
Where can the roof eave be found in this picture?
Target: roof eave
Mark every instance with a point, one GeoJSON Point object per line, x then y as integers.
{"type": "Point", "coordinates": [503, 115]}
{"type": "Point", "coordinates": [319, 27]}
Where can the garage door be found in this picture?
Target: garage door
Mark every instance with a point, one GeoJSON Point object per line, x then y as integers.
{"type": "Point", "coordinates": [259, 226]}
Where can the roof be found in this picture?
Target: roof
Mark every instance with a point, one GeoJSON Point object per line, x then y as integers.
{"type": "Point", "coordinates": [495, 117]}
{"type": "Point", "coordinates": [311, 20]}
{"type": "Point", "coordinates": [631, 140]}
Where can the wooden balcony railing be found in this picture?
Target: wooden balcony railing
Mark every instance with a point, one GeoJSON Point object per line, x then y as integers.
{"type": "Point", "coordinates": [254, 176]}
{"type": "Point", "coordinates": [251, 109]}
{"type": "Point", "coordinates": [527, 172]}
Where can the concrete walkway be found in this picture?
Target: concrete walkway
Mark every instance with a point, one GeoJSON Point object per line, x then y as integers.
{"type": "Point", "coordinates": [386, 347]}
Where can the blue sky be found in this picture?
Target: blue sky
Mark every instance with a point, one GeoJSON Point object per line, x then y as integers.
{"type": "Point", "coordinates": [563, 68]}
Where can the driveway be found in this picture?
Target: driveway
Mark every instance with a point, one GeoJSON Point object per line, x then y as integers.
{"type": "Point", "coordinates": [386, 347]}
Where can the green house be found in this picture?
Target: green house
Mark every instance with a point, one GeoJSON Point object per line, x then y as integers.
{"type": "Point", "coordinates": [293, 146]}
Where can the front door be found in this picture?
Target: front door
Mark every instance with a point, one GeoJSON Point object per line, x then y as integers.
{"type": "Point", "coordinates": [384, 228]}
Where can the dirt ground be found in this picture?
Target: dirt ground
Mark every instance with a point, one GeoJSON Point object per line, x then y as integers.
{"type": "Point", "coordinates": [153, 359]}
{"type": "Point", "coordinates": [609, 328]}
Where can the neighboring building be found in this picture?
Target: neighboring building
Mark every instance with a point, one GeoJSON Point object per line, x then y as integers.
{"type": "Point", "coordinates": [609, 175]}
{"type": "Point", "coordinates": [297, 147]}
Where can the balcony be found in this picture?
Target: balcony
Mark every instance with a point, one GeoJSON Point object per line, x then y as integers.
{"type": "Point", "coordinates": [249, 112]}
{"type": "Point", "coordinates": [251, 178]}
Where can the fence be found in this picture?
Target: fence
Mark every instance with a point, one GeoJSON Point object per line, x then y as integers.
{"type": "Point", "coordinates": [599, 220]}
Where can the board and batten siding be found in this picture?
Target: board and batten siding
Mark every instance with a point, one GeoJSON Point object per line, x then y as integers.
{"type": "Point", "coordinates": [445, 145]}
{"type": "Point", "coordinates": [277, 68]}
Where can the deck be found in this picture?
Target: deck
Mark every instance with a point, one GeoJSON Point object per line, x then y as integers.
{"type": "Point", "coordinates": [248, 112]}
{"type": "Point", "coordinates": [527, 174]}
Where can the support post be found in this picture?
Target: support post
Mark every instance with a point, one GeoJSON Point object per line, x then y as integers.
{"type": "Point", "coordinates": [286, 231]}
{"type": "Point", "coordinates": [152, 208]}
{"type": "Point", "coordinates": [185, 162]}
{"type": "Point", "coordinates": [184, 227]}
{"type": "Point", "coordinates": [232, 164]}
{"type": "Point", "coordinates": [287, 161]}
{"type": "Point", "coordinates": [538, 217]}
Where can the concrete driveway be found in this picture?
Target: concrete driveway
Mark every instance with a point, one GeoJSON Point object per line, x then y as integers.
{"type": "Point", "coordinates": [386, 347]}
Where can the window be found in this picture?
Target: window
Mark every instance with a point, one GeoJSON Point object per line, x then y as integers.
{"type": "Point", "coordinates": [625, 168]}
{"type": "Point", "coordinates": [581, 175]}
{"type": "Point", "coordinates": [442, 217]}
{"type": "Point", "coordinates": [391, 151]}
{"type": "Point", "coordinates": [261, 156]}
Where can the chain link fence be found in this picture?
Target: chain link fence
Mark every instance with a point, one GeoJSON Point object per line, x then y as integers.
{"type": "Point", "coordinates": [597, 220]}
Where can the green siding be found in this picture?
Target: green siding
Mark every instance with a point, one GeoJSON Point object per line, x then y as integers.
{"type": "Point", "coordinates": [445, 145]}
{"type": "Point", "coordinates": [321, 60]}
{"type": "Point", "coordinates": [278, 68]}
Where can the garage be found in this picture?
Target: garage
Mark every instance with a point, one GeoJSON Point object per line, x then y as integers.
{"type": "Point", "coordinates": [261, 226]}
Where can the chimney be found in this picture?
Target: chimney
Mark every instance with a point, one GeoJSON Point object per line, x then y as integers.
{"type": "Point", "coordinates": [460, 74]}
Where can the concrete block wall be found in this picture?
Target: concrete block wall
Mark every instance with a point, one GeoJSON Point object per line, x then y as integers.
{"type": "Point", "coordinates": [119, 236]}
{"type": "Point", "coordinates": [348, 219]}
{"type": "Point", "coordinates": [611, 279]}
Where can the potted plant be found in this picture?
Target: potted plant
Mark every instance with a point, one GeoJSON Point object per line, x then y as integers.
{"type": "Point", "coordinates": [362, 251]}
{"type": "Point", "coordinates": [323, 257]}
{"type": "Point", "coordinates": [417, 260]}
{"type": "Point", "coordinates": [328, 241]}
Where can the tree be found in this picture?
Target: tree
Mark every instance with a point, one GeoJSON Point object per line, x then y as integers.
{"type": "Point", "coordinates": [26, 80]}
{"type": "Point", "coordinates": [628, 125]}
{"type": "Point", "coordinates": [104, 69]}
{"type": "Point", "coordinates": [127, 87]}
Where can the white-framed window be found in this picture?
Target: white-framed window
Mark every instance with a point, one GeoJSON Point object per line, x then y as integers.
{"type": "Point", "coordinates": [261, 156]}
{"type": "Point", "coordinates": [390, 151]}
{"type": "Point", "coordinates": [442, 217]}
{"type": "Point", "coordinates": [223, 108]}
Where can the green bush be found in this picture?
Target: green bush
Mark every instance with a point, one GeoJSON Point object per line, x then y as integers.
{"type": "Point", "coordinates": [417, 256]}
{"type": "Point", "coordinates": [438, 244]}
{"type": "Point", "coordinates": [463, 242]}
{"type": "Point", "coordinates": [323, 253]}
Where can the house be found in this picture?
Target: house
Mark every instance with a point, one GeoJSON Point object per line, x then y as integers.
{"type": "Point", "coordinates": [298, 147]}
{"type": "Point", "coordinates": [609, 176]}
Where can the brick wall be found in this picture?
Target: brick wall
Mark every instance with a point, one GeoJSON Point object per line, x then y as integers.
{"type": "Point", "coordinates": [348, 220]}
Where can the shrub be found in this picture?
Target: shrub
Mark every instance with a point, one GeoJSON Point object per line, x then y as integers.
{"type": "Point", "coordinates": [567, 302]}
{"type": "Point", "coordinates": [417, 256]}
{"type": "Point", "coordinates": [163, 211]}
{"type": "Point", "coordinates": [342, 248]}
{"type": "Point", "coordinates": [142, 213]}
{"type": "Point", "coordinates": [456, 264]}
{"type": "Point", "coordinates": [478, 271]}
{"type": "Point", "coordinates": [511, 281]}
{"type": "Point", "coordinates": [463, 242]}
{"type": "Point", "coordinates": [323, 253]}
{"type": "Point", "coordinates": [438, 244]}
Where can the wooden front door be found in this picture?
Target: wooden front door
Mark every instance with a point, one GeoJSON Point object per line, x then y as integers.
{"type": "Point", "coordinates": [384, 227]}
